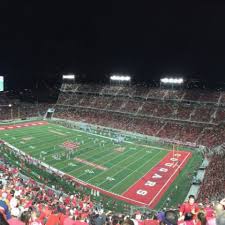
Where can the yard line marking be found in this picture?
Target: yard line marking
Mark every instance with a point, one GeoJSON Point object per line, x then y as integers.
{"type": "Point", "coordinates": [56, 132]}
{"type": "Point", "coordinates": [83, 166]}
{"type": "Point", "coordinates": [82, 149]}
{"type": "Point", "coordinates": [113, 165]}
{"type": "Point", "coordinates": [127, 166]}
{"type": "Point", "coordinates": [129, 142]}
{"type": "Point", "coordinates": [138, 169]}
{"type": "Point", "coordinates": [104, 155]}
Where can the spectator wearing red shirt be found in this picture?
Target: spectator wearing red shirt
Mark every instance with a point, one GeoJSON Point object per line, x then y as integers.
{"type": "Point", "coordinates": [53, 219]}
{"type": "Point", "coordinates": [69, 220]}
{"type": "Point", "coordinates": [189, 207]}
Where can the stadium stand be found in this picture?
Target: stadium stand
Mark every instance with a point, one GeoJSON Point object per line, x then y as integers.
{"type": "Point", "coordinates": [190, 116]}
{"type": "Point", "coordinates": [12, 108]}
{"type": "Point", "coordinates": [185, 115]}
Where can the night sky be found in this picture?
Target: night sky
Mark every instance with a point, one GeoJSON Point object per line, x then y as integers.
{"type": "Point", "coordinates": [145, 39]}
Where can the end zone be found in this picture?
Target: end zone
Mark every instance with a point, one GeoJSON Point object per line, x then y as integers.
{"type": "Point", "coordinates": [21, 125]}
{"type": "Point", "coordinates": [151, 187]}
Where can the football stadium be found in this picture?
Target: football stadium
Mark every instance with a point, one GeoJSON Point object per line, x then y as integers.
{"type": "Point", "coordinates": [124, 146]}
{"type": "Point", "coordinates": [112, 113]}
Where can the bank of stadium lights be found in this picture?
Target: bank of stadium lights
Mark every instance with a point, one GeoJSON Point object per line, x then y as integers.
{"type": "Point", "coordinates": [68, 77]}
{"type": "Point", "coordinates": [172, 80]}
{"type": "Point", "coordinates": [120, 78]}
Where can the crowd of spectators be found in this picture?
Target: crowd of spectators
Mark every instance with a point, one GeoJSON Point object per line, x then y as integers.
{"type": "Point", "coordinates": [196, 111]}
{"type": "Point", "coordinates": [203, 134]}
{"type": "Point", "coordinates": [22, 110]}
{"type": "Point", "coordinates": [212, 186]}
{"type": "Point", "coordinates": [209, 136]}
{"type": "Point", "coordinates": [193, 116]}
{"type": "Point", "coordinates": [144, 91]}
{"type": "Point", "coordinates": [26, 202]}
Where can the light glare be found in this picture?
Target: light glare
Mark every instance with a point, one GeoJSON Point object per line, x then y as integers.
{"type": "Point", "coordinates": [172, 80]}
{"type": "Point", "coordinates": [69, 77]}
{"type": "Point", "coordinates": [120, 78]}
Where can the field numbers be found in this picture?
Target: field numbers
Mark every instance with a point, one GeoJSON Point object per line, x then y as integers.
{"type": "Point", "coordinates": [142, 192]}
{"type": "Point", "coordinates": [110, 178]}
{"type": "Point", "coordinates": [89, 171]}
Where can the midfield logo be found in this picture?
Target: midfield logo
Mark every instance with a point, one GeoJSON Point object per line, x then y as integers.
{"type": "Point", "coordinates": [71, 145]}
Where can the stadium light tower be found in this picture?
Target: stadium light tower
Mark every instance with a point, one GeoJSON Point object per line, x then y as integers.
{"type": "Point", "coordinates": [171, 82]}
{"type": "Point", "coordinates": [120, 78]}
{"type": "Point", "coordinates": [68, 77]}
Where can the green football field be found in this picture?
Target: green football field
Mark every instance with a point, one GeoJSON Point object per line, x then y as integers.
{"type": "Point", "coordinates": [125, 163]}
{"type": "Point", "coordinates": [90, 157]}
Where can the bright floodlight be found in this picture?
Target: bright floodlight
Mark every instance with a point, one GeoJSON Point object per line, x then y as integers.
{"type": "Point", "coordinates": [69, 77]}
{"type": "Point", "coordinates": [172, 80]}
{"type": "Point", "coordinates": [120, 78]}
{"type": "Point", "coordinates": [10, 105]}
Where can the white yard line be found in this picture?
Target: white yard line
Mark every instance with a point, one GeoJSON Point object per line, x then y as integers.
{"type": "Point", "coordinates": [131, 156]}
{"type": "Point", "coordinates": [137, 169]}
{"type": "Point", "coordinates": [96, 161]}
{"type": "Point", "coordinates": [146, 146]}
{"type": "Point", "coordinates": [143, 176]}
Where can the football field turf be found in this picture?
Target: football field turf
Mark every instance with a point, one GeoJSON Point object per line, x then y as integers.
{"type": "Point", "coordinates": [138, 174]}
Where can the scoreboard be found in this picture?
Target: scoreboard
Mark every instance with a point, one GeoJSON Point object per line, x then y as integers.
{"type": "Point", "coordinates": [1, 83]}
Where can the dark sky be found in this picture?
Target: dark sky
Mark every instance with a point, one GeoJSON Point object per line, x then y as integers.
{"type": "Point", "coordinates": [40, 41]}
